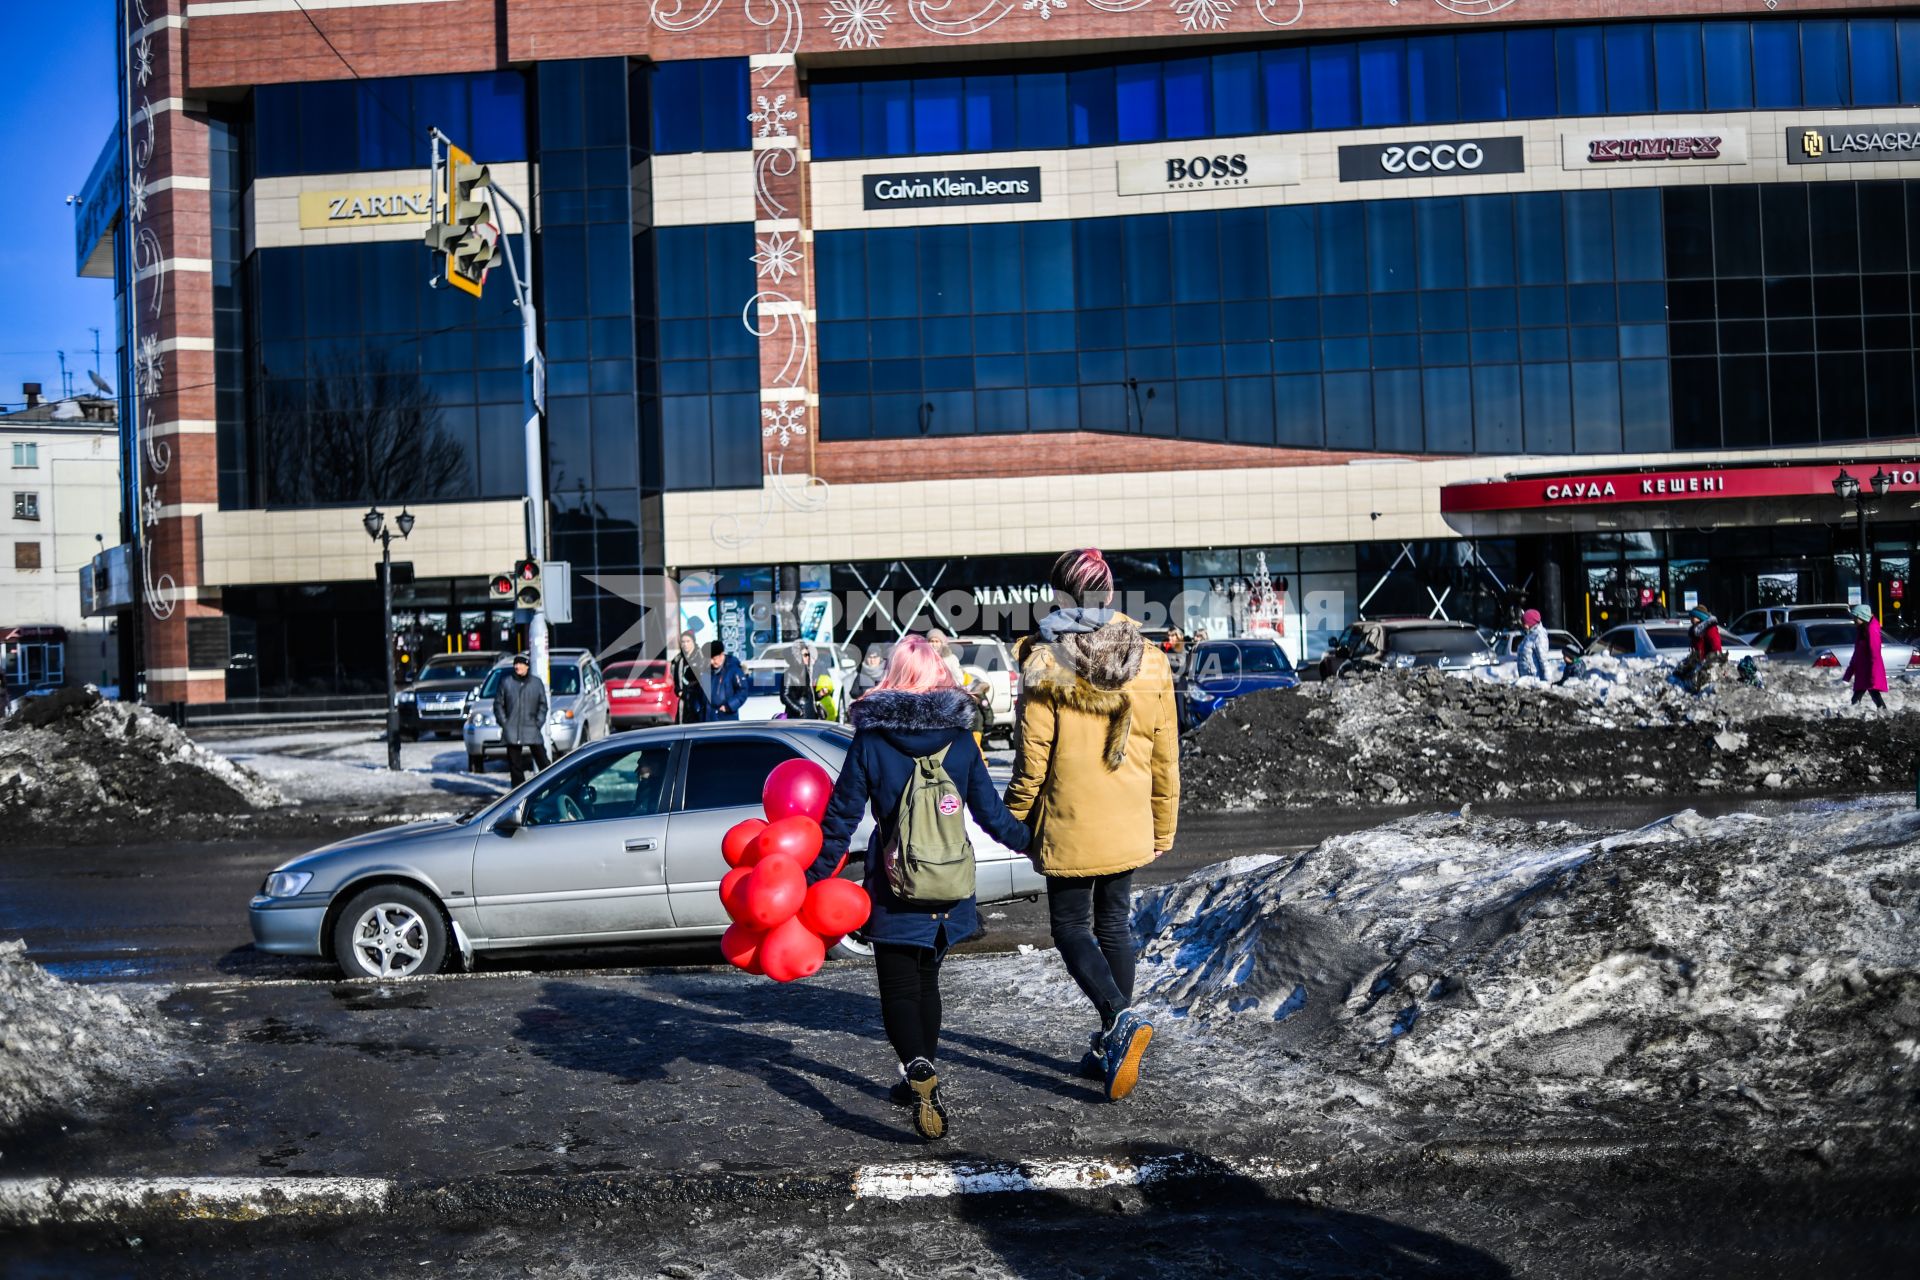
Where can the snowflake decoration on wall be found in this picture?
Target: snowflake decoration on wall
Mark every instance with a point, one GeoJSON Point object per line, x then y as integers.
{"type": "Point", "coordinates": [143, 61]}
{"type": "Point", "coordinates": [778, 256]}
{"type": "Point", "coordinates": [1204, 15]}
{"type": "Point", "coordinates": [772, 117]}
{"type": "Point", "coordinates": [1046, 7]}
{"type": "Point", "coordinates": [151, 512]}
{"type": "Point", "coordinates": [150, 366]}
{"type": "Point", "coordinates": [137, 197]}
{"type": "Point", "coordinates": [859, 24]}
{"type": "Point", "coordinates": [783, 418]}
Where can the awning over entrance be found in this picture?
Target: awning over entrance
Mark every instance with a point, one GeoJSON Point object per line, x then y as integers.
{"type": "Point", "coordinates": [1696, 497]}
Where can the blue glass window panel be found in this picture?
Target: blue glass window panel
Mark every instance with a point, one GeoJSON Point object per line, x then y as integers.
{"type": "Point", "coordinates": [1396, 350]}
{"type": "Point", "coordinates": [1343, 253]}
{"type": "Point", "coordinates": [936, 115]}
{"type": "Point", "coordinates": [1591, 304]}
{"type": "Point", "coordinates": [1390, 257]}
{"type": "Point", "coordinates": [384, 108]}
{"type": "Point", "coordinates": [1396, 312]}
{"type": "Point", "coordinates": [686, 432]}
{"type": "Point", "coordinates": [1105, 407]}
{"type": "Point", "coordinates": [1593, 343]}
{"type": "Point", "coordinates": [1291, 266]}
{"type": "Point", "coordinates": [1103, 366]}
{"type": "Point", "coordinates": [949, 413]}
{"type": "Point", "coordinates": [1149, 326]}
{"type": "Point", "coordinates": [1489, 227]}
{"type": "Point", "coordinates": [1197, 362]}
{"type": "Point", "coordinates": [1636, 235]}
{"type": "Point", "coordinates": [1244, 321]}
{"type": "Point", "coordinates": [1196, 257]}
{"type": "Point", "coordinates": [1643, 303]}
{"type": "Point", "coordinates": [329, 111]}
{"type": "Point", "coordinates": [1090, 102]}
{"type": "Point", "coordinates": [1543, 307]}
{"type": "Point", "coordinates": [1245, 357]}
{"type": "Point", "coordinates": [1336, 85]}
{"type": "Point", "coordinates": [1041, 109]}
{"type": "Point", "coordinates": [1096, 250]}
{"type": "Point", "coordinates": [1150, 364]}
{"type": "Point", "coordinates": [1443, 309]}
{"type": "Point", "coordinates": [1050, 331]}
{"type": "Point", "coordinates": [846, 417]}
{"type": "Point", "coordinates": [839, 340]}
{"type": "Point", "coordinates": [1249, 410]}
{"type": "Point", "coordinates": [891, 272]}
{"type": "Point", "coordinates": [1346, 353]}
{"type": "Point", "coordinates": [1496, 408]}
{"type": "Point", "coordinates": [1383, 82]}
{"type": "Point", "coordinates": [1441, 241]}
{"type": "Point", "coordinates": [1580, 54]}
{"type": "Point", "coordinates": [842, 377]}
{"type": "Point", "coordinates": [1203, 410]}
{"type": "Point", "coordinates": [1629, 69]}
{"type": "Point", "coordinates": [1876, 76]}
{"type": "Point", "coordinates": [1643, 340]}
{"type": "Point", "coordinates": [1443, 348]}
{"type": "Point", "coordinates": [1589, 220]}
{"type": "Point", "coordinates": [1283, 76]}
{"type": "Point", "coordinates": [1596, 408]}
{"type": "Point", "coordinates": [687, 339]}
{"type": "Point", "coordinates": [729, 337]}
{"type": "Point", "coordinates": [1148, 263]}
{"type": "Point", "coordinates": [1646, 416]}
{"type": "Point", "coordinates": [998, 334]}
{"type": "Point", "coordinates": [606, 167]}
{"type": "Point", "coordinates": [1296, 357]}
{"type": "Point", "coordinates": [1483, 76]}
{"type": "Point", "coordinates": [1495, 346]}
{"type": "Point", "coordinates": [1297, 417]}
{"type": "Point", "coordinates": [1729, 53]}
{"type": "Point", "coordinates": [276, 130]}
{"type": "Point", "coordinates": [898, 416]}
{"type": "Point", "coordinates": [1048, 275]}
{"type": "Point", "coordinates": [944, 272]}
{"type": "Point", "coordinates": [1340, 316]}
{"type": "Point", "coordinates": [1491, 308]}
{"type": "Point", "coordinates": [676, 118]}
{"type": "Point", "coordinates": [723, 105]}
{"type": "Point", "coordinates": [683, 377]}
{"type": "Point", "coordinates": [1776, 64]}
{"type": "Point", "coordinates": [1543, 344]}
{"type": "Point", "coordinates": [1243, 253]}
{"type": "Point", "coordinates": [990, 113]}
{"type": "Point", "coordinates": [886, 118]}
{"type": "Point", "coordinates": [1531, 75]}
{"type": "Point", "coordinates": [563, 170]}
{"type": "Point", "coordinates": [996, 266]}
{"type": "Point", "coordinates": [1823, 56]}
{"type": "Point", "coordinates": [954, 373]}
{"type": "Point", "coordinates": [735, 375]}
{"type": "Point", "coordinates": [604, 83]}
{"type": "Point", "coordinates": [1396, 410]}
{"type": "Point", "coordinates": [1185, 83]}
{"type": "Point", "coordinates": [1053, 408]}
{"type": "Point", "coordinates": [564, 378]}
{"type": "Point", "coordinates": [1537, 233]}
{"type": "Point", "coordinates": [893, 339]}
{"type": "Point", "coordinates": [1681, 84]}
{"type": "Point", "coordinates": [944, 336]}
{"type": "Point", "coordinates": [1909, 41]}
{"type": "Point", "coordinates": [1236, 94]}
{"type": "Point", "coordinates": [1547, 407]}
{"type": "Point", "coordinates": [1296, 318]}
{"type": "Point", "coordinates": [1448, 397]}
{"type": "Point", "coordinates": [607, 375]}
{"type": "Point", "coordinates": [1137, 102]}
{"type": "Point", "coordinates": [1106, 327]}
{"type": "Point", "coordinates": [840, 274]}
{"type": "Point", "coordinates": [562, 99]}
{"type": "Point", "coordinates": [900, 375]}
{"type": "Point", "coordinates": [565, 282]}
{"type": "Point", "coordinates": [1433, 92]}
{"type": "Point", "coordinates": [835, 110]}
{"type": "Point", "coordinates": [1349, 410]}
{"type": "Point", "coordinates": [1197, 322]}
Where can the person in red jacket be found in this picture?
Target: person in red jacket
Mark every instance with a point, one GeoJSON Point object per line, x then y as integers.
{"type": "Point", "coordinates": [1866, 669]}
{"type": "Point", "coordinates": [1707, 645]}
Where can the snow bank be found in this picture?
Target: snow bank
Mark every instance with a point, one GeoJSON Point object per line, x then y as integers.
{"type": "Point", "coordinates": [75, 760]}
{"type": "Point", "coordinates": [63, 1045]}
{"type": "Point", "coordinates": [1772, 960]}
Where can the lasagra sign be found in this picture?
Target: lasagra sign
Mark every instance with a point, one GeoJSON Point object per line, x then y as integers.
{"type": "Point", "coordinates": [1717, 146]}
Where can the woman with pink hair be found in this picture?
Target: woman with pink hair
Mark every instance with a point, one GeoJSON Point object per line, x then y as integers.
{"type": "Point", "coordinates": [914, 729]}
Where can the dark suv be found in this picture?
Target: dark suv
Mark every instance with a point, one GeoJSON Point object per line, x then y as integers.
{"type": "Point", "coordinates": [1407, 642]}
{"type": "Point", "coordinates": [436, 702]}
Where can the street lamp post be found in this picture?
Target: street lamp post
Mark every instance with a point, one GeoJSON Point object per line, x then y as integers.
{"type": "Point", "coordinates": [1847, 488]}
{"type": "Point", "coordinates": [375, 523]}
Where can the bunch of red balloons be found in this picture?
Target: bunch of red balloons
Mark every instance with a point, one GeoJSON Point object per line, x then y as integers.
{"type": "Point", "coordinates": [781, 928]}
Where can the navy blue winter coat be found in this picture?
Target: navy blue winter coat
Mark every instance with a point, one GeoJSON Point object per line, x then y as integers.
{"type": "Point", "coordinates": [730, 689]}
{"type": "Point", "coordinates": [890, 729]}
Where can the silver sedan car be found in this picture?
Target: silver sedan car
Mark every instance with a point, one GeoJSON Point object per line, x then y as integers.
{"type": "Point", "coordinates": [1828, 646]}
{"type": "Point", "coordinates": [1663, 640]}
{"type": "Point", "coordinates": [619, 842]}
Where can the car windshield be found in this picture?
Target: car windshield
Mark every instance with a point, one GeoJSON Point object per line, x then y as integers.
{"type": "Point", "coordinates": [1260, 659]}
{"type": "Point", "coordinates": [455, 667]}
{"type": "Point", "coordinates": [1452, 641]}
{"type": "Point", "coordinates": [1669, 637]}
{"type": "Point", "coordinates": [1824, 634]}
{"type": "Point", "coordinates": [654, 670]}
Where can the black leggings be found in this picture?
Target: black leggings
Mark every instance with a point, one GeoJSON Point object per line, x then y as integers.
{"type": "Point", "coordinates": [909, 998]}
{"type": "Point", "coordinates": [1092, 927]}
{"type": "Point", "coordinates": [1878, 701]}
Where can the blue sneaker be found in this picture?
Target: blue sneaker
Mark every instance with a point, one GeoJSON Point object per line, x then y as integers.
{"type": "Point", "coordinates": [1126, 1044]}
{"type": "Point", "coordinates": [1093, 1063]}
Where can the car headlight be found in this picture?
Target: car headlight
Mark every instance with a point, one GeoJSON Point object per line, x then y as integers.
{"type": "Point", "coordinates": [405, 695]}
{"type": "Point", "coordinates": [285, 884]}
{"type": "Point", "coordinates": [561, 717]}
{"type": "Point", "coordinates": [1403, 659]}
{"type": "Point", "coordinates": [1196, 692]}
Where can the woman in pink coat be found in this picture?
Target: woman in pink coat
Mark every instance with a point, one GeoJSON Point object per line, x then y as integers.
{"type": "Point", "coordinates": [1867, 670]}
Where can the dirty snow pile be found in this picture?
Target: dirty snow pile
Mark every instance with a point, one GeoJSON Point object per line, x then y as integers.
{"type": "Point", "coordinates": [73, 760]}
{"type": "Point", "coordinates": [1750, 966]}
{"type": "Point", "coordinates": [1403, 738]}
{"type": "Point", "coordinates": [63, 1045]}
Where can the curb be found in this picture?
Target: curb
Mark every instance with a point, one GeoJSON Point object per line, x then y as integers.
{"type": "Point", "coordinates": [31, 1202]}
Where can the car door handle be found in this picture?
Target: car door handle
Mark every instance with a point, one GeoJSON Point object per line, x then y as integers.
{"type": "Point", "coordinates": [646, 844]}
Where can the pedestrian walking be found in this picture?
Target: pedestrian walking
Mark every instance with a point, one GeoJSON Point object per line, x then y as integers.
{"type": "Point", "coordinates": [1531, 660]}
{"type": "Point", "coordinates": [520, 709]}
{"type": "Point", "coordinates": [796, 692]}
{"type": "Point", "coordinates": [913, 762]}
{"type": "Point", "coordinates": [726, 683]}
{"type": "Point", "coordinates": [690, 680]}
{"type": "Point", "coordinates": [1706, 651]}
{"type": "Point", "coordinates": [951, 660]}
{"type": "Point", "coordinates": [1097, 780]}
{"type": "Point", "coordinates": [873, 667]}
{"type": "Point", "coordinates": [1867, 669]}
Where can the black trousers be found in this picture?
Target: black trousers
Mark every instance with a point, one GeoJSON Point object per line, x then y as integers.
{"type": "Point", "coordinates": [1092, 927]}
{"type": "Point", "coordinates": [1878, 701]}
{"type": "Point", "coordinates": [517, 760]}
{"type": "Point", "coordinates": [909, 998]}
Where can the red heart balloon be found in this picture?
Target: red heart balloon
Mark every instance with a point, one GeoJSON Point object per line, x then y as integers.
{"type": "Point", "coordinates": [773, 893]}
{"type": "Point", "coordinates": [792, 951]}
{"type": "Point", "coordinates": [733, 845]}
{"type": "Point", "coordinates": [740, 944]}
{"type": "Point", "coordinates": [835, 907]}
{"type": "Point", "coordinates": [797, 837]}
{"type": "Point", "coordinates": [730, 886]}
{"type": "Point", "coordinates": [796, 788]}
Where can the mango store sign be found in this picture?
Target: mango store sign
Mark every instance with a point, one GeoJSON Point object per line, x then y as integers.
{"type": "Point", "coordinates": [358, 208]}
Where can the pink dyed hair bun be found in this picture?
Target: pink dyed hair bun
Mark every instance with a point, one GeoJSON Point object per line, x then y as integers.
{"type": "Point", "coordinates": [1084, 577]}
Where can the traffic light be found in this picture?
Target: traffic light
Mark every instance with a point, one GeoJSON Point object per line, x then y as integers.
{"type": "Point", "coordinates": [500, 589]}
{"type": "Point", "coordinates": [463, 230]}
{"type": "Point", "coordinates": [526, 581]}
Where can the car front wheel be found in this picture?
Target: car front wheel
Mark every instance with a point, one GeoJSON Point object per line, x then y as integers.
{"type": "Point", "coordinates": [851, 947]}
{"type": "Point", "coordinates": [390, 931]}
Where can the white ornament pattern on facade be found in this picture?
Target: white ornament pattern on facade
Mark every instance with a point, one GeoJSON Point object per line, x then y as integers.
{"type": "Point", "coordinates": [152, 365]}
{"type": "Point", "coordinates": [1275, 13]}
{"type": "Point", "coordinates": [1046, 7]}
{"type": "Point", "coordinates": [778, 256]}
{"type": "Point", "coordinates": [770, 118]}
{"type": "Point", "coordinates": [929, 15]}
{"type": "Point", "coordinates": [143, 62]}
{"type": "Point", "coordinates": [783, 418]}
{"type": "Point", "coordinates": [1204, 15]}
{"type": "Point", "coordinates": [859, 24]}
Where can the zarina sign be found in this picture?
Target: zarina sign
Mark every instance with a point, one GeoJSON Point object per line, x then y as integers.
{"type": "Point", "coordinates": [1163, 174]}
{"type": "Point", "coordinates": [357, 208]}
{"type": "Point", "coordinates": [1621, 487]}
{"type": "Point", "coordinates": [973, 186]}
{"type": "Point", "coordinates": [1453, 157]}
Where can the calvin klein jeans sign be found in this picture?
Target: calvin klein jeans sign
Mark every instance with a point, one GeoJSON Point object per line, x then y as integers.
{"type": "Point", "coordinates": [1447, 158]}
{"type": "Point", "coordinates": [1161, 174]}
{"type": "Point", "coordinates": [960, 186]}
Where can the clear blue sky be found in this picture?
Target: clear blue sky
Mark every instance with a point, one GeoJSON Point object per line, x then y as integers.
{"type": "Point", "coordinates": [56, 106]}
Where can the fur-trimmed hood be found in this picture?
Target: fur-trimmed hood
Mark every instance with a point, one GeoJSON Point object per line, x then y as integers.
{"type": "Point", "coordinates": [1087, 671]}
{"type": "Point", "coordinates": [895, 711]}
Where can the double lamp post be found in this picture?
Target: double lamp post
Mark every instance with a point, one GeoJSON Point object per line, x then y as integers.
{"type": "Point", "coordinates": [1847, 489]}
{"type": "Point", "coordinates": [375, 523]}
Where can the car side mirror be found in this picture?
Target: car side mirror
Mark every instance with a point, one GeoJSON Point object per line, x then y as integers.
{"type": "Point", "coordinates": [509, 822]}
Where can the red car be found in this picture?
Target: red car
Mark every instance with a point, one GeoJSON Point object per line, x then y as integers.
{"type": "Point", "coordinates": [641, 693]}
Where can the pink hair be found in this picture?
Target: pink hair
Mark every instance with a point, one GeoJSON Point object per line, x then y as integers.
{"type": "Point", "coordinates": [916, 667]}
{"type": "Point", "coordinates": [1084, 577]}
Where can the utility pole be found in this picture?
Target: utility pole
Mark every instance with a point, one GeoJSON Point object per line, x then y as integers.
{"type": "Point", "coordinates": [375, 523]}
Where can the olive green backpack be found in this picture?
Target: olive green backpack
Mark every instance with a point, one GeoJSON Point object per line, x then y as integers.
{"type": "Point", "coordinates": [930, 859]}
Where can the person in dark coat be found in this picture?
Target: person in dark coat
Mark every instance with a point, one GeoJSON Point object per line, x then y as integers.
{"type": "Point", "coordinates": [916, 710]}
{"type": "Point", "coordinates": [873, 669]}
{"type": "Point", "coordinates": [796, 691]}
{"type": "Point", "coordinates": [690, 679]}
{"type": "Point", "coordinates": [520, 709]}
{"type": "Point", "coordinates": [728, 686]}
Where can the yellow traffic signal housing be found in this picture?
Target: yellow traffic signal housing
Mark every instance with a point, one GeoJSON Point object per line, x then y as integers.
{"type": "Point", "coordinates": [463, 230]}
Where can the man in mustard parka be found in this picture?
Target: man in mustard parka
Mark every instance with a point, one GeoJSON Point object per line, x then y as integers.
{"type": "Point", "coordinates": [1097, 781]}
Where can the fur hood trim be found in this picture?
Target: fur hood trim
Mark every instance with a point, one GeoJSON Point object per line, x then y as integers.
{"type": "Point", "coordinates": [1087, 672]}
{"type": "Point", "coordinates": [913, 712]}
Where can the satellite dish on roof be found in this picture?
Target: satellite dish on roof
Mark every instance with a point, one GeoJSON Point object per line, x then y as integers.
{"type": "Point", "coordinates": [100, 382]}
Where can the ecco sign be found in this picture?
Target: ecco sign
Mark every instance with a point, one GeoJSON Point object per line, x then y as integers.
{"type": "Point", "coordinates": [354, 208]}
{"type": "Point", "coordinates": [1584, 150]}
{"type": "Point", "coordinates": [1454, 157]}
{"type": "Point", "coordinates": [1159, 175]}
{"type": "Point", "coordinates": [972, 186]}
{"type": "Point", "coordinates": [1811, 144]}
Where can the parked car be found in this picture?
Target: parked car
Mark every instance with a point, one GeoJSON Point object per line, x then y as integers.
{"type": "Point", "coordinates": [1662, 640]}
{"type": "Point", "coordinates": [988, 658]}
{"type": "Point", "coordinates": [641, 693]}
{"type": "Point", "coordinates": [1506, 650]}
{"type": "Point", "coordinates": [1829, 646]}
{"type": "Point", "coordinates": [620, 842]}
{"type": "Point", "coordinates": [1754, 621]}
{"type": "Point", "coordinates": [437, 699]}
{"type": "Point", "coordinates": [835, 661]}
{"type": "Point", "coordinates": [766, 681]}
{"type": "Point", "coordinates": [1221, 670]}
{"type": "Point", "coordinates": [577, 708]}
{"type": "Point", "coordinates": [1408, 642]}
